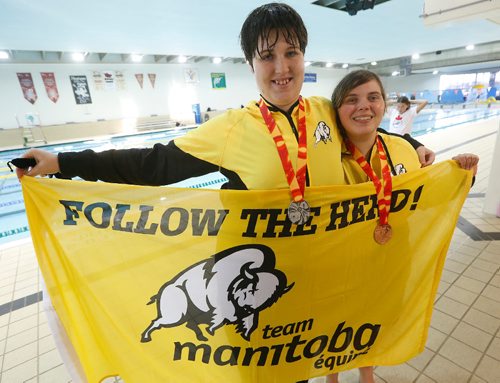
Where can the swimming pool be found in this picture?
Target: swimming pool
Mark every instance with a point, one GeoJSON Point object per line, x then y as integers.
{"type": "Point", "coordinates": [431, 120]}
{"type": "Point", "coordinates": [13, 221]}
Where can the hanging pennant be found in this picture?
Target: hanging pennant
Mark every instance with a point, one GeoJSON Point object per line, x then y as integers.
{"type": "Point", "coordinates": [98, 81]}
{"type": "Point", "coordinates": [49, 81]}
{"type": "Point", "coordinates": [27, 86]}
{"type": "Point", "coordinates": [152, 78]}
{"type": "Point", "coordinates": [120, 80]}
{"type": "Point", "coordinates": [140, 79]}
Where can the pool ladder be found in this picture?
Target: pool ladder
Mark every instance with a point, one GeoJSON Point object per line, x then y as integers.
{"type": "Point", "coordinates": [33, 135]}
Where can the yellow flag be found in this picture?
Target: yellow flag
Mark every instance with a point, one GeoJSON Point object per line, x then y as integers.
{"type": "Point", "coordinates": [159, 284]}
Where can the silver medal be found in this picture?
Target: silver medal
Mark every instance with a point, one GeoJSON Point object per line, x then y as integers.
{"type": "Point", "coordinates": [299, 212]}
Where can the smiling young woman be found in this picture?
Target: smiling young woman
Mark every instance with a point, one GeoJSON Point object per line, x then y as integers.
{"type": "Point", "coordinates": [279, 70]}
{"type": "Point", "coordinates": [361, 113]}
{"type": "Point", "coordinates": [370, 155]}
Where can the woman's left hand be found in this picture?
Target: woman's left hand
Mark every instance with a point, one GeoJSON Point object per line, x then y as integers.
{"type": "Point", "coordinates": [467, 161]}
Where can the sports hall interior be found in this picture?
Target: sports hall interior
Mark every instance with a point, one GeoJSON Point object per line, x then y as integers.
{"type": "Point", "coordinates": [154, 70]}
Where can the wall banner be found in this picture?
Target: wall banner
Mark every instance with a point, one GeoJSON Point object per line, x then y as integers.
{"type": "Point", "coordinates": [163, 284]}
{"type": "Point", "coordinates": [218, 80]}
{"type": "Point", "coordinates": [31, 119]}
{"type": "Point", "coordinates": [27, 87]}
{"type": "Point", "coordinates": [310, 77]}
{"type": "Point", "coordinates": [191, 76]}
{"type": "Point", "coordinates": [80, 89]}
{"type": "Point", "coordinates": [109, 80]}
{"type": "Point", "coordinates": [49, 81]}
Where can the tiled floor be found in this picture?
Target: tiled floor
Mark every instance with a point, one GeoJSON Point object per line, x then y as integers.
{"type": "Point", "coordinates": [464, 338]}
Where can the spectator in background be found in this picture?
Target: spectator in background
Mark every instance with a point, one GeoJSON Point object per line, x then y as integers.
{"type": "Point", "coordinates": [403, 114]}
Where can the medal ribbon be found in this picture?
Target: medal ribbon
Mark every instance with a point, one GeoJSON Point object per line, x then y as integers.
{"type": "Point", "coordinates": [296, 181]}
{"type": "Point", "coordinates": [383, 186]}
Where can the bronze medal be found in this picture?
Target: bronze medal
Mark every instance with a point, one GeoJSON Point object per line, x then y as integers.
{"type": "Point", "coordinates": [383, 187]}
{"type": "Point", "coordinates": [382, 233]}
{"type": "Point", "coordinates": [299, 212]}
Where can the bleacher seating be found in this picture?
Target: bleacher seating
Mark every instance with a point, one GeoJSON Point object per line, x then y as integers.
{"type": "Point", "coordinates": [452, 96]}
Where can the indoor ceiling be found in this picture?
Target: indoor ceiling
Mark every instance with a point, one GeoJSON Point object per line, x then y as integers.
{"type": "Point", "coordinates": [163, 29]}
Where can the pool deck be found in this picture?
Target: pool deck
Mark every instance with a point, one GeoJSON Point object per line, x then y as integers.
{"type": "Point", "coordinates": [464, 338]}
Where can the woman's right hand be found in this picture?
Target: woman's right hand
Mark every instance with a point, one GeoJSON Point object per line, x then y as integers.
{"type": "Point", "coordinates": [46, 163]}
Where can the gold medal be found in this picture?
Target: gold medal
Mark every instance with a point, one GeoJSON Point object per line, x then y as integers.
{"type": "Point", "coordinates": [299, 212]}
{"type": "Point", "coordinates": [382, 233]}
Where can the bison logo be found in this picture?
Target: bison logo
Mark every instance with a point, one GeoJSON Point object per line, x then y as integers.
{"type": "Point", "coordinates": [231, 287]}
{"type": "Point", "coordinates": [322, 133]}
{"type": "Point", "coordinates": [399, 169]}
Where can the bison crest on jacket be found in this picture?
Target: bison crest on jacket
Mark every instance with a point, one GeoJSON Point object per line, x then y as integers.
{"type": "Point", "coordinates": [322, 133]}
{"type": "Point", "coordinates": [231, 287]}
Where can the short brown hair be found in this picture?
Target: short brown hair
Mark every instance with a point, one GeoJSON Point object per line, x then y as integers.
{"type": "Point", "coordinates": [348, 83]}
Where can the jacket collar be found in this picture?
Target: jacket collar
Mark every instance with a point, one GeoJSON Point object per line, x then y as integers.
{"type": "Point", "coordinates": [274, 108]}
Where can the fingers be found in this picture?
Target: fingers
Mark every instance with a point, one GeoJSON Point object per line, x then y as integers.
{"type": "Point", "coordinates": [430, 157]}
{"type": "Point", "coordinates": [467, 161]}
{"type": "Point", "coordinates": [421, 155]}
{"type": "Point", "coordinates": [474, 170]}
{"type": "Point", "coordinates": [425, 156]}
{"type": "Point", "coordinates": [20, 173]}
{"type": "Point", "coordinates": [46, 163]}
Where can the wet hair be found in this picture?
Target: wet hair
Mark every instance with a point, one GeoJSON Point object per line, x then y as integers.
{"type": "Point", "coordinates": [404, 100]}
{"type": "Point", "coordinates": [259, 27]}
{"type": "Point", "coordinates": [346, 85]}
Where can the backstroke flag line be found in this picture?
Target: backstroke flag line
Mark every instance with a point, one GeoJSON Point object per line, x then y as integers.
{"type": "Point", "coordinates": [160, 284]}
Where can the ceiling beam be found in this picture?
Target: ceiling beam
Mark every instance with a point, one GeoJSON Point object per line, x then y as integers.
{"type": "Point", "coordinates": [157, 58]}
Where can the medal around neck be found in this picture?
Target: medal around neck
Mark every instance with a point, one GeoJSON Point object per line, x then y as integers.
{"type": "Point", "coordinates": [299, 212]}
{"type": "Point", "coordinates": [383, 187]}
{"type": "Point", "coordinates": [382, 233]}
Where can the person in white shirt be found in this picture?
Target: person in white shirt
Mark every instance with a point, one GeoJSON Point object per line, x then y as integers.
{"type": "Point", "coordinates": [403, 114]}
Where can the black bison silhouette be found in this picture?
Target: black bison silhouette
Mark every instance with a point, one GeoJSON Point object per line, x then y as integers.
{"type": "Point", "coordinates": [231, 287]}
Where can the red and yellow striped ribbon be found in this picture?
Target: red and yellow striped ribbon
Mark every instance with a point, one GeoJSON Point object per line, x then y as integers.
{"type": "Point", "coordinates": [296, 180]}
{"type": "Point", "coordinates": [383, 186]}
